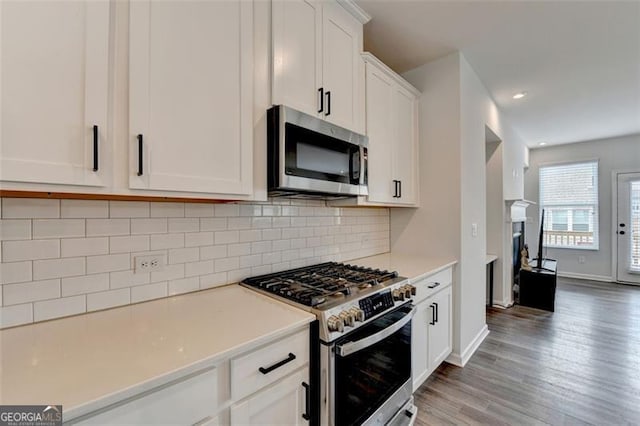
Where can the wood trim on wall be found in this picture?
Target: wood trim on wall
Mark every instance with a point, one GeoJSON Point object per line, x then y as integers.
{"type": "Point", "coordinates": [109, 197]}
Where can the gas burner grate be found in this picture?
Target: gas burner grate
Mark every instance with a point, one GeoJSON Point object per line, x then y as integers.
{"type": "Point", "coordinates": [313, 285]}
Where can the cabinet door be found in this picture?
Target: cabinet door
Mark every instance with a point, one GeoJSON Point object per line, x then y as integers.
{"type": "Point", "coordinates": [296, 27]}
{"type": "Point", "coordinates": [379, 90]}
{"type": "Point", "coordinates": [342, 67]}
{"type": "Point", "coordinates": [419, 344]}
{"type": "Point", "coordinates": [283, 403]}
{"type": "Point", "coordinates": [405, 144]}
{"type": "Point", "coordinates": [191, 92]}
{"type": "Point", "coordinates": [54, 61]}
{"type": "Point", "coordinates": [440, 333]}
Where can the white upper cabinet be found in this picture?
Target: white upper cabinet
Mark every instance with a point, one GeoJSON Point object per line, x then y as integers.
{"type": "Point", "coordinates": [316, 61]}
{"type": "Point", "coordinates": [391, 124]}
{"type": "Point", "coordinates": [54, 65]}
{"type": "Point", "coordinates": [191, 96]}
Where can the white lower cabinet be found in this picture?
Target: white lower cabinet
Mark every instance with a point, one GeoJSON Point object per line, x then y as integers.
{"type": "Point", "coordinates": [189, 401]}
{"type": "Point", "coordinates": [431, 328]}
{"type": "Point", "coordinates": [283, 403]}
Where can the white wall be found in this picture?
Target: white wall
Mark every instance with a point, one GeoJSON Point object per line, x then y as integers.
{"type": "Point", "coordinates": [621, 153]}
{"type": "Point", "coordinates": [495, 219]}
{"type": "Point", "coordinates": [454, 110]}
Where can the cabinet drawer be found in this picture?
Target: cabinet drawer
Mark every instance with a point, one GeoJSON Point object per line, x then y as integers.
{"type": "Point", "coordinates": [436, 281]}
{"type": "Point", "coordinates": [264, 366]}
{"type": "Point", "coordinates": [188, 401]}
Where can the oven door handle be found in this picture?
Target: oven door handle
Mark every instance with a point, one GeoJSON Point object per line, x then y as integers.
{"type": "Point", "coordinates": [353, 347]}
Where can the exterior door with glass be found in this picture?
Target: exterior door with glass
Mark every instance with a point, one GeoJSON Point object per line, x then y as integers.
{"type": "Point", "coordinates": [628, 228]}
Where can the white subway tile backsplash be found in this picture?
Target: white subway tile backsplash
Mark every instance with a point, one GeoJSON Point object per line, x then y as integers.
{"type": "Point", "coordinates": [58, 268]}
{"type": "Point", "coordinates": [85, 284]}
{"type": "Point", "coordinates": [108, 263]}
{"type": "Point", "coordinates": [107, 227]}
{"type": "Point", "coordinates": [198, 268]}
{"type": "Point", "coordinates": [213, 224]}
{"type": "Point", "coordinates": [128, 209]}
{"type": "Point", "coordinates": [15, 294]}
{"type": "Point", "coordinates": [198, 239]}
{"type": "Point", "coordinates": [30, 208]}
{"type": "Point", "coordinates": [82, 209]}
{"type": "Point", "coordinates": [70, 256]}
{"type": "Point", "coordinates": [184, 285]}
{"type": "Point", "coordinates": [72, 247]}
{"type": "Point", "coordinates": [11, 316]}
{"type": "Point", "coordinates": [227, 210]}
{"type": "Point", "coordinates": [167, 210]}
{"type": "Point", "coordinates": [184, 255]}
{"type": "Point", "coordinates": [108, 299]}
{"type": "Point", "coordinates": [128, 244]}
{"type": "Point", "coordinates": [15, 272]}
{"type": "Point", "coordinates": [15, 229]}
{"type": "Point", "coordinates": [13, 251]}
{"type": "Point", "coordinates": [148, 292]}
{"type": "Point", "coordinates": [213, 252]}
{"type": "Point", "coordinates": [198, 210]}
{"type": "Point", "coordinates": [56, 308]}
{"type": "Point", "coordinates": [227, 237]}
{"type": "Point", "coordinates": [189, 224]}
{"type": "Point", "coordinates": [121, 279]}
{"type": "Point", "coordinates": [167, 241]}
{"type": "Point", "coordinates": [149, 226]}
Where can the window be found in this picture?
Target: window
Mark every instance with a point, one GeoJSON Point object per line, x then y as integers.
{"type": "Point", "coordinates": [569, 195]}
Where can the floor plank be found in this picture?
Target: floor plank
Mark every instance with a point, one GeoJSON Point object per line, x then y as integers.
{"type": "Point", "coordinates": [579, 365]}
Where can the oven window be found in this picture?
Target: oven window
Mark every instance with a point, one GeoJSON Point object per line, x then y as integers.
{"type": "Point", "coordinates": [317, 156]}
{"type": "Point", "coordinates": [364, 380]}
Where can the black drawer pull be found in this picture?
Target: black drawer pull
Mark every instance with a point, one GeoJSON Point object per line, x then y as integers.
{"type": "Point", "coordinates": [328, 93]}
{"type": "Point", "coordinates": [140, 146]}
{"type": "Point", "coordinates": [307, 401]}
{"type": "Point", "coordinates": [434, 285]}
{"type": "Point", "coordinates": [279, 364]}
{"type": "Point", "coordinates": [95, 148]}
{"type": "Point", "coordinates": [321, 93]}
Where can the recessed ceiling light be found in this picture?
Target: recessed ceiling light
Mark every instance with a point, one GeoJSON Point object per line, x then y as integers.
{"type": "Point", "coordinates": [519, 95]}
{"type": "Point", "coordinates": [543, 143]}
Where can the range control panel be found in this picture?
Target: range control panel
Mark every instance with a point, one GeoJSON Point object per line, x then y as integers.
{"type": "Point", "coordinates": [375, 304]}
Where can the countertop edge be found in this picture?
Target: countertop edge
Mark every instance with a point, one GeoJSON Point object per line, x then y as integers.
{"type": "Point", "coordinates": [432, 272]}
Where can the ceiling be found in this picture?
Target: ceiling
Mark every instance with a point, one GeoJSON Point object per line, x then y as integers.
{"type": "Point", "coordinates": [579, 61]}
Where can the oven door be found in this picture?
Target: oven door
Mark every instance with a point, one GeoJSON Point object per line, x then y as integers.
{"type": "Point", "coordinates": [372, 370]}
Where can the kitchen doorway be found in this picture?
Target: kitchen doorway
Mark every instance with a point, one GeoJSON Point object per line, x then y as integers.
{"type": "Point", "coordinates": [627, 227]}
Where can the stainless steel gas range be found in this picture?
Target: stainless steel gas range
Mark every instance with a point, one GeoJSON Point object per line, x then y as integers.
{"type": "Point", "coordinates": [361, 342]}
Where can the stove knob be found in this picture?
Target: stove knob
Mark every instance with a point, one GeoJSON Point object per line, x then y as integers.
{"type": "Point", "coordinates": [357, 313]}
{"type": "Point", "coordinates": [406, 289]}
{"type": "Point", "coordinates": [398, 295]}
{"type": "Point", "coordinates": [347, 318]}
{"type": "Point", "coordinates": [413, 289]}
{"type": "Point", "coordinates": [335, 324]}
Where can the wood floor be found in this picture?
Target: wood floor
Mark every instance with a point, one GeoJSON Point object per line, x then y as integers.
{"type": "Point", "coordinates": [579, 365]}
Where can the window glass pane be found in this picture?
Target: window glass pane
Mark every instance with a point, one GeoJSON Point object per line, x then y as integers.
{"type": "Point", "coordinates": [635, 226]}
{"type": "Point", "coordinates": [569, 195]}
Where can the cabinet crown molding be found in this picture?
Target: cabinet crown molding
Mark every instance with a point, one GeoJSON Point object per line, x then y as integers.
{"type": "Point", "coordinates": [358, 12]}
{"type": "Point", "coordinates": [369, 57]}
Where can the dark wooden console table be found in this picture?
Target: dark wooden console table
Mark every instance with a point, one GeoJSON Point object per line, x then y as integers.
{"type": "Point", "coordinates": [538, 286]}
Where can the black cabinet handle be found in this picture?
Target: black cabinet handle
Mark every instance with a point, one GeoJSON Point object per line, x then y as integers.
{"type": "Point", "coordinates": [621, 232]}
{"type": "Point", "coordinates": [395, 188]}
{"type": "Point", "coordinates": [433, 315]}
{"type": "Point", "coordinates": [307, 399]}
{"type": "Point", "coordinates": [434, 285]}
{"type": "Point", "coordinates": [321, 93]}
{"type": "Point", "coordinates": [622, 225]}
{"type": "Point", "coordinates": [140, 159]}
{"type": "Point", "coordinates": [328, 103]}
{"type": "Point", "coordinates": [95, 148]}
{"type": "Point", "coordinates": [279, 364]}
{"type": "Point", "coordinates": [400, 190]}
{"type": "Point", "coordinates": [436, 303]}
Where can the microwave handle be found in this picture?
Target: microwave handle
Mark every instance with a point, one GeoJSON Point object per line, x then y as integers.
{"type": "Point", "coordinates": [362, 179]}
{"type": "Point", "coordinates": [353, 347]}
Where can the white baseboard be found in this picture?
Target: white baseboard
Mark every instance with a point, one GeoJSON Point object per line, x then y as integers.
{"type": "Point", "coordinates": [602, 278]}
{"type": "Point", "coordinates": [461, 360]}
{"type": "Point", "coordinates": [502, 304]}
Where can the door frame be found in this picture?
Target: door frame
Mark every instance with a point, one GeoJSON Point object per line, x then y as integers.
{"type": "Point", "coordinates": [614, 219]}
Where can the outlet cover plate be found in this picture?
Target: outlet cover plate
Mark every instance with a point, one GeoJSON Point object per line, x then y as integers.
{"type": "Point", "coordinates": [152, 263]}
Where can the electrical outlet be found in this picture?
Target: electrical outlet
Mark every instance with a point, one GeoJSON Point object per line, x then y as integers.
{"type": "Point", "coordinates": [581, 259]}
{"type": "Point", "coordinates": [152, 263]}
{"type": "Point", "coordinates": [474, 229]}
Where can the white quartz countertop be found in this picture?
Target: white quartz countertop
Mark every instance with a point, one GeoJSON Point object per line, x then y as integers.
{"type": "Point", "coordinates": [92, 360]}
{"type": "Point", "coordinates": [414, 267]}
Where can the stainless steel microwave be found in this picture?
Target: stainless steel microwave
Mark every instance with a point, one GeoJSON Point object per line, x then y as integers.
{"type": "Point", "coordinates": [310, 157]}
